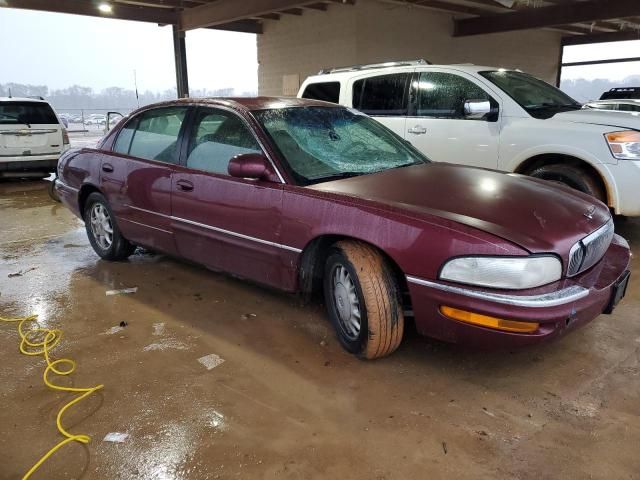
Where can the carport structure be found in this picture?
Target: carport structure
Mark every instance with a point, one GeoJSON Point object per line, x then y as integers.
{"type": "Point", "coordinates": [297, 38]}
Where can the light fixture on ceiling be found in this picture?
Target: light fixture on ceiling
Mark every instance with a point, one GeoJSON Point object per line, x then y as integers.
{"type": "Point", "coordinates": [506, 3]}
{"type": "Point", "coordinates": [105, 8]}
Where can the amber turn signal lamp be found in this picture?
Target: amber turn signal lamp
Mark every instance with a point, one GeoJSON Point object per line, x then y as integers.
{"type": "Point", "coordinates": [489, 322]}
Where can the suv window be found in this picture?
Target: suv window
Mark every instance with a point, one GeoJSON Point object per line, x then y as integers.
{"type": "Point", "coordinates": [442, 95]}
{"type": "Point", "coordinates": [216, 137]}
{"type": "Point", "coordinates": [383, 95]}
{"type": "Point", "coordinates": [152, 135]}
{"type": "Point", "coordinates": [327, 91]}
{"type": "Point", "coordinates": [15, 113]}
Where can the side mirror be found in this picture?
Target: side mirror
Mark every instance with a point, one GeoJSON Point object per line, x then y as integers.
{"type": "Point", "coordinates": [477, 109]}
{"type": "Point", "coordinates": [250, 165]}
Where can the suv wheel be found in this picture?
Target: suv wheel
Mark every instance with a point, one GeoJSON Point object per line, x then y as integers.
{"type": "Point", "coordinates": [572, 177]}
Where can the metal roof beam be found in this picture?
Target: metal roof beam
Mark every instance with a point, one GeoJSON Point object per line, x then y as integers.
{"type": "Point", "coordinates": [542, 17]}
{"type": "Point", "coordinates": [226, 11]}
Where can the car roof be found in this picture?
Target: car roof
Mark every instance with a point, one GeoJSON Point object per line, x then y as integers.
{"type": "Point", "coordinates": [244, 103]}
{"type": "Point", "coordinates": [344, 75]}
{"type": "Point", "coordinates": [22, 99]}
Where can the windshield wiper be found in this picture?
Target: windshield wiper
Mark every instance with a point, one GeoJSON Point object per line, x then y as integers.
{"type": "Point", "coordinates": [337, 176]}
{"type": "Point", "coordinates": [548, 105]}
{"type": "Point", "coordinates": [16, 118]}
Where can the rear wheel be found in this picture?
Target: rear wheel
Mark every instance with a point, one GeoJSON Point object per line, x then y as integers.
{"type": "Point", "coordinates": [103, 233]}
{"type": "Point", "coordinates": [363, 300]}
{"type": "Point", "coordinates": [573, 177]}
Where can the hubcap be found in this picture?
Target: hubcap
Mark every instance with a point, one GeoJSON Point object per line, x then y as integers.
{"type": "Point", "coordinates": [346, 301]}
{"type": "Point", "coordinates": [101, 226]}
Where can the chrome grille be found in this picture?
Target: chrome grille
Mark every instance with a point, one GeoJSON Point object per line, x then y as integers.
{"type": "Point", "coordinates": [588, 251]}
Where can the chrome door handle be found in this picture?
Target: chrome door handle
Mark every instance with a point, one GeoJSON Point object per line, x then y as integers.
{"type": "Point", "coordinates": [417, 130]}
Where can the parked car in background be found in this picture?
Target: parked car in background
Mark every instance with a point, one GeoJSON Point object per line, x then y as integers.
{"type": "Point", "coordinates": [622, 105]}
{"type": "Point", "coordinates": [64, 121]}
{"type": "Point", "coordinates": [95, 119]}
{"type": "Point", "coordinates": [495, 118]}
{"type": "Point", "coordinates": [31, 137]}
{"type": "Point", "coordinates": [309, 196]}
{"type": "Point", "coordinates": [619, 93]}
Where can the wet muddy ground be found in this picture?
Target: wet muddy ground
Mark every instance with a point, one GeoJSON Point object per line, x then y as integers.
{"type": "Point", "coordinates": [287, 402]}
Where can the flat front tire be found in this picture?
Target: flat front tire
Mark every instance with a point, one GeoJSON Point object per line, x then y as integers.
{"type": "Point", "coordinates": [102, 230]}
{"type": "Point", "coordinates": [363, 300]}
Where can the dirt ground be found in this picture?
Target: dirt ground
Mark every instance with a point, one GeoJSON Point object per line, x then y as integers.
{"type": "Point", "coordinates": [287, 402]}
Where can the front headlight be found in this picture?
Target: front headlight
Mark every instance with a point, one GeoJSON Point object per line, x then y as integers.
{"type": "Point", "coordinates": [503, 272]}
{"type": "Point", "coordinates": [624, 145]}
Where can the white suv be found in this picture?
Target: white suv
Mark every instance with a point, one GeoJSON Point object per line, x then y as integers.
{"type": "Point", "coordinates": [31, 137]}
{"type": "Point", "coordinates": [495, 118]}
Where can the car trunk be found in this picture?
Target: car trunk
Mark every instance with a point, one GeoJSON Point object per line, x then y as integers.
{"type": "Point", "coordinates": [29, 129]}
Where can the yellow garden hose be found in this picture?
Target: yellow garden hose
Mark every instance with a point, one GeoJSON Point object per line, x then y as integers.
{"type": "Point", "coordinates": [39, 341]}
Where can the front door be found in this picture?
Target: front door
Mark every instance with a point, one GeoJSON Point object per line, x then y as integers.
{"type": "Point", "coordinates": [437, 124]}
{"type": "Point", "coordinates": [226, 223]}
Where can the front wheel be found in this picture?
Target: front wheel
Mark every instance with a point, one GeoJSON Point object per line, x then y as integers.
{"type": "Point", "coordinates": [363, 300]}
{"type": "Point", "coordinates": [103, 233]}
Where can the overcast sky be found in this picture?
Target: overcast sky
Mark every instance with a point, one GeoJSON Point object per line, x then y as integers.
{"type": "Point", "coordinates": [602, 51]}
{"type": "Point", "coordinates": [60, 50]}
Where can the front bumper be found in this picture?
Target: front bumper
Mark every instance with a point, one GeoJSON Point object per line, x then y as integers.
{"type": "Point", "coordinates": [558, 308]}
{"type": "Point", "coordinates": [626, 174]}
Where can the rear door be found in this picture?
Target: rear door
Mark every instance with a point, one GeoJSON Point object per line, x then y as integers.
{"type": "Point", "coordinates": [437, 124]}
{"type": "Point", "coordinates": [29, 129]}
{"type": "Point", "coordinates": [137, 176]}
{"type": "Point", "coordinates": [385, 98]}
{"type": "Point", "coordinates": [230, 224]}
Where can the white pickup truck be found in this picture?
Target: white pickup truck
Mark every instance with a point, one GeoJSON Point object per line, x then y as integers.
{"type": "Point", "coordinates": [496, 118]}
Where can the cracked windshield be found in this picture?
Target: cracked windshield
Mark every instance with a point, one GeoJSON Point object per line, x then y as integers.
{"type": "Point", "coordinates": [321, 143]}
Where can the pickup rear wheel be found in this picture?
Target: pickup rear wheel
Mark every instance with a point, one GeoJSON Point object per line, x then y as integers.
{"type": "Point", "coordinates": [102, 230]}
{"type": "Point", "coordinates": [573, 177]}
{"type": "Point", "coordinates": [363, 300]}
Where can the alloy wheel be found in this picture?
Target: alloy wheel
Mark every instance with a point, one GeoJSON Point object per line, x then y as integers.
{"type": "Point", "coordinates": [346, 302]}
{"type": "Point", "coordinates": [101, 226]}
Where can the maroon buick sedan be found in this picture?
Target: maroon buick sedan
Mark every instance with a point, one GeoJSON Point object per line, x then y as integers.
{"type": "Point", "coordinates": [308, 196]}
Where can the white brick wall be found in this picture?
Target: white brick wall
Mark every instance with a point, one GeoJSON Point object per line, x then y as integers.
{"type": "Point", "coordinates": [374, 31]}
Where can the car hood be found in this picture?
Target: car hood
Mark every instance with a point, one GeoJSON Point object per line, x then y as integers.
{"type": "Point", "coordinates": [534, 214]}
{"type": "Point", "coordinates": [601, 117]}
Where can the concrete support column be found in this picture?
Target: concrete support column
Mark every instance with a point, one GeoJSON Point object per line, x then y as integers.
{"type": "Point", "coordinates": [180, 58]}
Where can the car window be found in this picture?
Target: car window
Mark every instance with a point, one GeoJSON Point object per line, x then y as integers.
{"type": "Point", "coordinates": [26, 113]}
{"type": "Point", "coordinates": [123, 142]}
{"type": "Point", "coordinates": [155, 136]}
{"type": "Point", "coordinates": [327, 91]}
{"type": "Point", "coordinates": [442, 95]}
{"type": "Point", "coordinates": [216, 137]}
{"type": "Point", "coordinates": [602, 106]}
{"type": "Point", "coordinates": [383, 95]}
{"type": "Point", "coordinates": [625, 107]}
